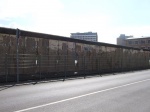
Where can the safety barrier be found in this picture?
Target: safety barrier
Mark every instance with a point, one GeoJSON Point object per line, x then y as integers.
{"type": "Point", "coordinates": [34, 56]}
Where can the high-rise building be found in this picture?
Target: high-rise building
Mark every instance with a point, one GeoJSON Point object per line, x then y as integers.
{"type": "Point", "coordinates": [88, 36]}
{"type": "Point", "coordinates": [142, 42]}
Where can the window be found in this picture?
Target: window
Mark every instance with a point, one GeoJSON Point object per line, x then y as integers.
{"type": "Point", "coordinates": [148, 41]}
{"type": "Point", "coordinates": [130, 42]}
{"type": "Point", "coordinates": [136, 42]}
{"type": "Point", "coordinates": [142, 41]}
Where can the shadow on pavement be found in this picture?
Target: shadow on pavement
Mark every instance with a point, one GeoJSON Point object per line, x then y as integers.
{"type": "Point", "coordinates": [5, 87]}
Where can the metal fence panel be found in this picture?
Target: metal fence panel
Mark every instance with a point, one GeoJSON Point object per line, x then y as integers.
{"type": "Point", "coordinates": [45, 58]}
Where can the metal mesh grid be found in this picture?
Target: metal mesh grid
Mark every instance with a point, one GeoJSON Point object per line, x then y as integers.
{"type": "Point", "coordinates": [41, 58]}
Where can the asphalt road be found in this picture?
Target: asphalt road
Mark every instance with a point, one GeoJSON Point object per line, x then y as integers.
{"type": "Point", "coordinates": [124, 92]}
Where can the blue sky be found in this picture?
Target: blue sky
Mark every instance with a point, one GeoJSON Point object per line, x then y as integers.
{"type": "Point", "coordinates": [109, 18]}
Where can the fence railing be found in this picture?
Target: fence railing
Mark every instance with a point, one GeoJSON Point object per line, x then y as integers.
{"type": "Point", "coordinates": [24, 58]}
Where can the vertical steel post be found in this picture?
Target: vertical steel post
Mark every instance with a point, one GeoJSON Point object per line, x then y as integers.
{"type": "Point", "coordinates": [99, 64]}
{"type": "Point", "coordinates": [40, 65]}
{"type": "Point", "coordinates": [112, 67]}
{"type": "Point", "coordinates": [84, 66]}
{"type": "Point", "coordinates": [75, 59]}
{"type": "Point", "coordinates": [58, 59]}
{"type": "Point", "coordinates": [17, 55]}
{"type": "Point", "coordinates": [99, 56]}
{"type": "Point", "coordinates": [6, 71]}
{"type": "Point", "coordinates": [65, 60]}
{"type": "Point", "coordinates": [75, 56]}
{"type": "Point", "coordinates": [122, 59]}
{"type": "Point", "coordinates": [65, 66]}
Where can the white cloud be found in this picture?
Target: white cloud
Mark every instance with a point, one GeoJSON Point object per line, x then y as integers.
{"type": "Point", "coordinates": [64, 25]}
{"type": "Point", "coordinates": [17, 8]}
{"type": "Point", "coordinates": [39, 13]}
{"type": "Point", "coordinates": [113, 32]}
{"type": "Point", "coordinates": [135, 31]}
{"type": "Point", "coordinates": [48, 16]}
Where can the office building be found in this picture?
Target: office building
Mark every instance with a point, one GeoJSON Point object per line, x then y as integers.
{"type": "Point", "coordinates": [142, 42]}
{"type": "Point", "coordinates": [88, 36]}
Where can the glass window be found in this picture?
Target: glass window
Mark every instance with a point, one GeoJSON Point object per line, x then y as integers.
{"type": "Point", "coordinates": [136, 42]}
{"type": "Point", "coordinates": [130, 42]}
{"type": "Point", "coordinates": [142, 41]}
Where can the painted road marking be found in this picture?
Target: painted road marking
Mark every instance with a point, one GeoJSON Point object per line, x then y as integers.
{"type": "Point", "coordinates": [52, 103]}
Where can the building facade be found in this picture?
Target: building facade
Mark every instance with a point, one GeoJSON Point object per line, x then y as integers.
{"type": "Point", "coordinates": [142, 43]}
{"type": "Point", "coordinates": [88, 36]}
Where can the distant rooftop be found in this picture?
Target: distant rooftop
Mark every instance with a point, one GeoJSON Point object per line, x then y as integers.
{"type": "Point", "coordinates": [138, 38]}
{"type": "Point", "coordinates": [125, 37]}
{"type": "Point", "coordinates": [84, 33]}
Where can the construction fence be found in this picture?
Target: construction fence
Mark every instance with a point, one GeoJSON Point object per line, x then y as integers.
{"type": "Point", "coordinates": [28, 56]}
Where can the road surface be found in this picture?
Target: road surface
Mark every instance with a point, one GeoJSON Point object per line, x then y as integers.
{"type": "Point", "coordinates": [123, 92]}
